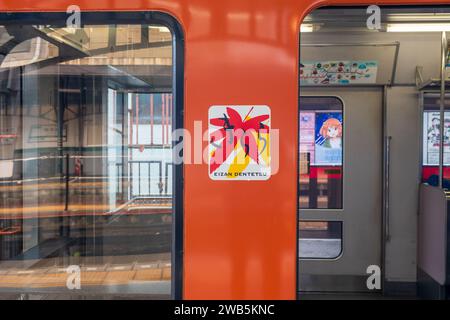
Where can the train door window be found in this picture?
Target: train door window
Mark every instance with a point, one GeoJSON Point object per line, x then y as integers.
{"type": "Point", "coordinates": [86, 155]}
{"type": "Point", "coordinates": [321, 153]}
{"type": "Point", "coordinates": [320, 239]}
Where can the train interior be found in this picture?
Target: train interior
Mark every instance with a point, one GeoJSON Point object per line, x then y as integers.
{"type": "Point", "coordinates": [370, 119]}
{"type": "Point", "coordinates": [86, 154]}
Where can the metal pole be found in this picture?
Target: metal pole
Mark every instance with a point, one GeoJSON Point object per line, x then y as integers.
{"type": "Point", "coordinates": [442, 109]}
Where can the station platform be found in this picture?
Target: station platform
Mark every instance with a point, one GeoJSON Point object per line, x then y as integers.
{"type": "Point", "coordinates": [109, 271]}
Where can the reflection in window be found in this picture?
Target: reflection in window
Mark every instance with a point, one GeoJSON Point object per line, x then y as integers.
{"type": "Point", "coordinates": [321, 152]}
{"type": "Point", "coordinates": [85, 158]}
{"type": "Point", "coordinates": [320, 239]}
{"type": "Point", "coordinates": [29, 52]}
{"type": "Point", "coordinates": [150, 151]}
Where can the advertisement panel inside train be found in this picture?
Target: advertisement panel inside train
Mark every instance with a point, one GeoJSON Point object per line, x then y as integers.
{"type": "Point", "coordinates": [431, 132]}
{"type": "Point", "coordinates": [321, 135]}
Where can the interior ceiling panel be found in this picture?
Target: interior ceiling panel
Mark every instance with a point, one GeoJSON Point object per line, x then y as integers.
{"type": "Point", "coordinates": [356, 17]}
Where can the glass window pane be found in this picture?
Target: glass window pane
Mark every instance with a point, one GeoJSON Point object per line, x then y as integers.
{"type": "Point", "coordinates": [159, 34]}
{"type": "Point", "coordinates": [86, 160]}
{"type": "Point", "coordinates": [320, 239]}
{"type": "Point", "coordinates": [321, 152]}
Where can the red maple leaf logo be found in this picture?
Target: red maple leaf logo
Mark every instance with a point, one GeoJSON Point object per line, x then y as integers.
{"type": "Point", "coordinates": [234, 130]}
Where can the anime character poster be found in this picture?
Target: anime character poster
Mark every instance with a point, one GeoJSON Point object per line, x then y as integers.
{"type": "Point", "coordinates": [329, 138]}
{"type": "Point", "coordinates": [338, 72]}
{"type": "Point", "coordinates": [431, 139]}
{"type": "Point", "coordinates": [239, 143]}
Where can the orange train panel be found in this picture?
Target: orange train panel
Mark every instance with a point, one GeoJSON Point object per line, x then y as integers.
{"type": "Point", "coordinates": [240, 237]}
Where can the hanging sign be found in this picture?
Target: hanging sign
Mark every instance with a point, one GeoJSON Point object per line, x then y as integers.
{"type": "Point", "coordinates": [338, 72]}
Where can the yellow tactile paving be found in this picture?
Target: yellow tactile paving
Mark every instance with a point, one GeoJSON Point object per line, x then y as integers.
{"type": "Point", "coordinates": [14, 281]}
{"type": "Point", "coordinates": [95, 278]}
{"type": "Point", "coordinates": [166, 274]}
{"type": "Point", "coordinates": [55, 208]}
{"type": "Point", "coordinates": [48, 280]}
{"type": "Point", "coordinates": [92, 278]}
{"type": "Point", "coordinates": [119, 277]}
{"type": "Point", "coordinates": [148, 275]}
{"type": "Point", "coordinates": [74, 210]}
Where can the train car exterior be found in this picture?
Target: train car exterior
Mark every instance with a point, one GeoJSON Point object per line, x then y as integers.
{"type": "Point", "coordinates": [231, 239]}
